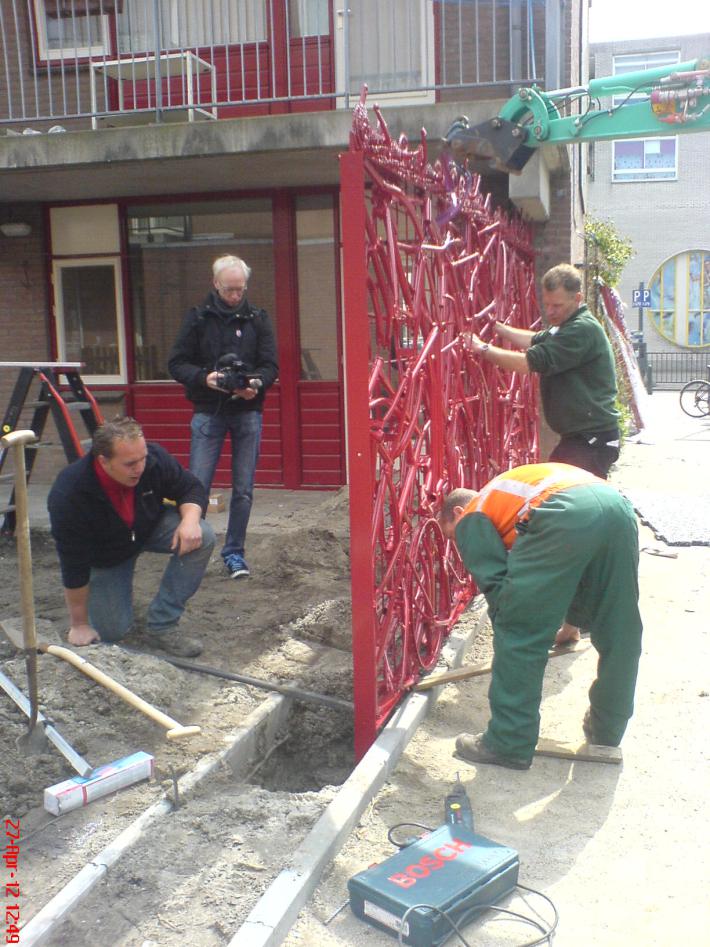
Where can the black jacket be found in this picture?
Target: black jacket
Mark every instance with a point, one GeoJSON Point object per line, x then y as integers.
{"type": "Point", "coordinates": [205, 335]}
{"type": "Point", "coordinates": [87, 529]}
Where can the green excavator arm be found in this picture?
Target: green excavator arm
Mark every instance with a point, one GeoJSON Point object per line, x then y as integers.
{"type": "Point", "coordinates": [676, 100]}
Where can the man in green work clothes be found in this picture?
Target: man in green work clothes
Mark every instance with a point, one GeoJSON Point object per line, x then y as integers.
{"type": "Point", "coordinates": [545, 541]}
{"type": "Point", "coordinates": [577, 378]}
{"type": "Point", "coordinates": [576, 366]}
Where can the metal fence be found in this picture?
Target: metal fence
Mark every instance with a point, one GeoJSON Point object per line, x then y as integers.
{"type": "Point", "coordinates": [674, 369]}
{"type": "Point", "coordinates": [425, 256]}
{"type": "Point", "coordinates": [99, 61]}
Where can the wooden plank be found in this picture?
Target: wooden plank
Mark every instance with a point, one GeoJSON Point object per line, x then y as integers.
{"type": "Point", "coordinates": [586, 752]}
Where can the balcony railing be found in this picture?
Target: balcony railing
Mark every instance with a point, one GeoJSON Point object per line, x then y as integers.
{"type": "Point", "coordinates": [86, 63]}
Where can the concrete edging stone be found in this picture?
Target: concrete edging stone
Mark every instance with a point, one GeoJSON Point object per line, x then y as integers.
{"type": "Point", "coordinates": [276, 911]}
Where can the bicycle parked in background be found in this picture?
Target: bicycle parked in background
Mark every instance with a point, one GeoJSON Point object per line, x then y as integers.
{"type": "Point", "coordinates": [695, 397]}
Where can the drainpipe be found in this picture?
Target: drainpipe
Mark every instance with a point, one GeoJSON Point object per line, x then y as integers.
{"type": "Point", "coordinates": [553, 45]}
{"type": "Point", "coordinates": [344, 15]}
{"type": "Point", "coordinates": [516, 41]}
{"type": "Point", "coordinates": [158, 34]}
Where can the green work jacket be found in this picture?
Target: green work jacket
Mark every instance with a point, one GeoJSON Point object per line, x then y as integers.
{"type": "Point", "coordinates": [577, 377]}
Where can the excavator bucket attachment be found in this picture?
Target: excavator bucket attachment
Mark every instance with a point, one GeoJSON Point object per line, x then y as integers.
{"type": "Point", "coordinates": [496, 144]}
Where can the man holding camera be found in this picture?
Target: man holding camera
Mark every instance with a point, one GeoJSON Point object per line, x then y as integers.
{"type": "Point", "coordinates": [225, 356]}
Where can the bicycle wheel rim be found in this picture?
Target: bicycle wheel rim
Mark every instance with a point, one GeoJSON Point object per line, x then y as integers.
{"type": "Point", "coordinates": [695, 399]}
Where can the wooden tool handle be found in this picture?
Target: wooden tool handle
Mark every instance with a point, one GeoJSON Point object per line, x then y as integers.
{"type": "Point", "coordinates": [463, 673]}
{"type": "Point", "coordinates": [16, 440]}
{"type": "Point", "coordinates": [174, 729]}
{"type": "Point", "coordinates": [458, 674]}
{"type": "Point", "coordinates": [178, 732]}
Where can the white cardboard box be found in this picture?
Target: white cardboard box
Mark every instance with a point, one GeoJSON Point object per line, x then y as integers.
{"type": "Point", "coordinates": [216, 503]}
{"type": "Point", "coordinates": [81, 790]}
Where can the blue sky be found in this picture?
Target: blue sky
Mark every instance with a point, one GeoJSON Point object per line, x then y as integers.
{"type": "Point", "coordinates": [642, 19]}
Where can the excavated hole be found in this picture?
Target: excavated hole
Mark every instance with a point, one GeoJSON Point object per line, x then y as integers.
{"type": "Point", "coordinates": [315, 751]}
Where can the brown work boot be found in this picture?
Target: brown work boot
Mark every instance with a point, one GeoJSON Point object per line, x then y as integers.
{"type": "Point", "coordinates": [471, 748]}
{"type": "Point", "coordinates": [175, 642]}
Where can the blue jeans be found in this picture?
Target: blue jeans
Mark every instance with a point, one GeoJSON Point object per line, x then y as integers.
{"type": "Point", "coordinates": [208, 434]}
{"type": "Point", "coordinates": [111, 590]}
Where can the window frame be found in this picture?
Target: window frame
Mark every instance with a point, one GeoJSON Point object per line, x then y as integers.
{"type": "Point", "coordinates": [427, 96]}
{"type": "Point", "coordinates": [681, 309]}
{"type": "Point", "coordinates": [643, 175]}
{"type": "Point", "coordinates": [109, 45]}
{"type": "Point", "coordinates": [638, 62]}
{"type": "Point", "coordinates": [71, 54]}
{"type": "Point", "coordinates": [303, 14]}
{"type": "Point", "coordinates": [113, 260]}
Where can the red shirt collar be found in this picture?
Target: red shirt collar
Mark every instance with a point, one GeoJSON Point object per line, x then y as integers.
{"type": "Point", "coordinates": [123, 499]}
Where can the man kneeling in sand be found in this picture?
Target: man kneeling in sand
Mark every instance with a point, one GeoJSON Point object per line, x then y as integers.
{"type": "Point", "coordinates": [105, 509]}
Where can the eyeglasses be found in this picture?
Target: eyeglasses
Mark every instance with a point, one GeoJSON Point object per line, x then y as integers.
{"type": "Point", "coordinates": [231, 290]}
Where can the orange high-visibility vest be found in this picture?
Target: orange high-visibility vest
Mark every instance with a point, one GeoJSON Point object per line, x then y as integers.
{"type": "Point", "coordinates": [509, 497]}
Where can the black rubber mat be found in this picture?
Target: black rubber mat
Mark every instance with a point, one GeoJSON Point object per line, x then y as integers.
{"type": "Point", "coordinates": [676, 520]}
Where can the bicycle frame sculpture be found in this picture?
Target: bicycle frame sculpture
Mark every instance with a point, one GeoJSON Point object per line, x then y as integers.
{"type": "Point", "coordinates": [425, 257]}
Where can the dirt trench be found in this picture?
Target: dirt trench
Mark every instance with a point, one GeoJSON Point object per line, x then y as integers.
{"type": "Point", "coordinates": [194, 877]}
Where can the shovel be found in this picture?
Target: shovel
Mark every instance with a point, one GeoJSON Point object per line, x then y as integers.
{"type": "Point", "coordinates": [174, 730]}
{"type": "Point", "coordinates": [16, 440]}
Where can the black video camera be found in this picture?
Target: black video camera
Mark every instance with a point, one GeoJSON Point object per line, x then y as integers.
{"type": "Point", "coordinates": [234, 374]}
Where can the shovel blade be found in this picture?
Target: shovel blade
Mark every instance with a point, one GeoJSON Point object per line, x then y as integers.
{"type": "Point", "coordinates": [14, 632]}
{"type": "Point", "coordinates": [33, 742]}
{"type": "Point", "coordinates": [12, 629]}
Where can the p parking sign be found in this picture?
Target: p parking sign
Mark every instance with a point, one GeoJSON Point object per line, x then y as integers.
{"type": "Point", "coordinates": [641, 298]}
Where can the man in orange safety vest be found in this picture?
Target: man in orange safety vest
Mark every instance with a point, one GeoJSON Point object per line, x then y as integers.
{"type": "Point", "coordinates": [545, 543]}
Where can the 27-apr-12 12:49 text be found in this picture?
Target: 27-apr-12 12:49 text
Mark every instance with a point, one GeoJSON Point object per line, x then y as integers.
{"type": "Point", "coordinates": [10, 856]}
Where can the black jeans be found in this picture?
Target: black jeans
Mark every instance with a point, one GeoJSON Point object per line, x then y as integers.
{"type": "Point", "coordinates": [593, 452]}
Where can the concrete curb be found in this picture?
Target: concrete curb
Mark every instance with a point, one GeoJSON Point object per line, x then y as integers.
{"type": "Point", "coordinates": [244, 743]}
{"type": "Point", "coordinates": [277, 909]}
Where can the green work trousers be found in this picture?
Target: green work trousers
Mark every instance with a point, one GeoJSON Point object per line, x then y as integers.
{"type": "Point", "coordinates": [576, 557]}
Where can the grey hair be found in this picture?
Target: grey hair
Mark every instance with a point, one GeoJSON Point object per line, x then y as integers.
{"type": "Point", "coordinates": [227, 263]}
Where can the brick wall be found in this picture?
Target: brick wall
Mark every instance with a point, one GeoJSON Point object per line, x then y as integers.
{"type": "Point", "coordinates": [475, 46]}
{"type": "Point", "coordinates": [24, 331]}
{"type": "Point", "coordinates": [45, 91]}
{"type": "Point", "coordinates": [23, 304]}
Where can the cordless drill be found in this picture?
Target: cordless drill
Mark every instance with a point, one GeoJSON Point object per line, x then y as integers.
{"type": "Point", "coordinates": [457, 806]}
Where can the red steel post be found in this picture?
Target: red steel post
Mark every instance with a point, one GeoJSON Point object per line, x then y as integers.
{"type": "Point", "coordinates": [357, 415]}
